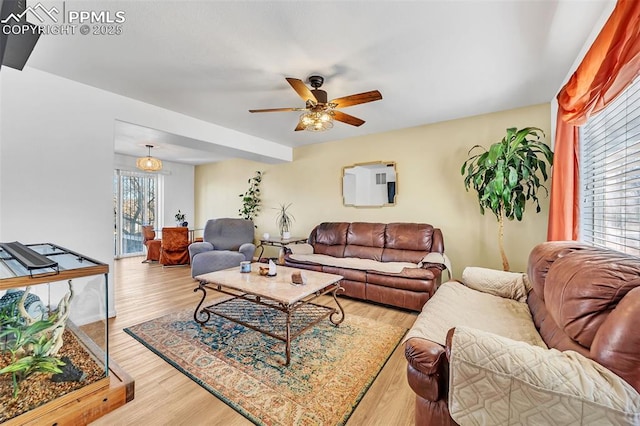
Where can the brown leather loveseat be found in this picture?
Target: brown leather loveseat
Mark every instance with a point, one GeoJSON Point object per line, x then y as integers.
{"type": "Point", "coordinates": [397, 264]}
{"type": "Point", "coordinates": [558, 345]}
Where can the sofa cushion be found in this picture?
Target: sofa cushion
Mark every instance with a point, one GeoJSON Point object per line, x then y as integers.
{"type": "Point", "coordinates": [363, 252]}
{"type": "Point", "coordinates": [366, 234]}
{"type": "Point", "coordinates": [581, 289]}
{"type": "Point", "coordinates": [542, 257]}
{"type": "Point", "coordinates": [330, 238]}
{"type": "Point", "coordinates": [336, 251]}
{"type": "Point", "coordinates": [409, 236]}
{"type": "Point", "coordinates": [407, 242]}
{"type": "Point", "coordinates": [456, 305]}
{"type": "Point", "coordinates": [365, 240]}
{"type": "Point", "coordinates": [525, 384]}
{"type": "Point", "coordinates": [331, 234]}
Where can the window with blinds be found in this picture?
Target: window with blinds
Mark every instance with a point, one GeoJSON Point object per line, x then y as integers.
{"type": "Point", "coordinates": [610, 175]}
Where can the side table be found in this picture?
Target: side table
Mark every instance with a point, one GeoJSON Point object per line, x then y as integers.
{"type": "Point", "coordinates": [278, 242]}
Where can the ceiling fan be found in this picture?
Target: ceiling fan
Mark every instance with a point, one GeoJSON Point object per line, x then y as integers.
{"type": "Point", "coordinates": [318, 112]}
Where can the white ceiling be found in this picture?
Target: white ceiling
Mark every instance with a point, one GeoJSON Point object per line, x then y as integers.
{"type": "Point", "coordinates": [431, 60]}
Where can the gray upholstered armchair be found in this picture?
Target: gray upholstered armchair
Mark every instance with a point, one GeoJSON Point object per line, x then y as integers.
{"type": "Point", "coordinates": [227, 242]}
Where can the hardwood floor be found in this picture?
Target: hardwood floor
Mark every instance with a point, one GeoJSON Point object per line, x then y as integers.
{"type": "Point", "coordinates": [164, 396]}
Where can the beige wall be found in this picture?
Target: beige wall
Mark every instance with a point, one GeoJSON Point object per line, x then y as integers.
{"type": "Point", "coordinates": [430, 187]}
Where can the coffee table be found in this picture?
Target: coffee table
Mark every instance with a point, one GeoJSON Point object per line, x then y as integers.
{"type": "Point", "coordinates": [270, 305]}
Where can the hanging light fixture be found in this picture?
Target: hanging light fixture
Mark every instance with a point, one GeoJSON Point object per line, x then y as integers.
{"type": "Point", "coordinates": [317, 120]}
{"type": "Point", "coordinates": [149, 163]}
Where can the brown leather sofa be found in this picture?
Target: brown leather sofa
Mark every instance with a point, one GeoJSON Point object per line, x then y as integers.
{"type": "Point", "coordinates": [383, 263]}
{"type": "Point", "coordinates": [582, 299]}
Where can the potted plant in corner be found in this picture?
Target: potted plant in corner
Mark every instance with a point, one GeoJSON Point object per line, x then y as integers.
{"type": "Point", "coordinates": [284, 221]}
{"type": "Point", "coordinates": [508, 175]}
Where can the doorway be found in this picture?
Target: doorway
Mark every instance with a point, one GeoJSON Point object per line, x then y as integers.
{"type": "Point", "coordinates": [135, 203]}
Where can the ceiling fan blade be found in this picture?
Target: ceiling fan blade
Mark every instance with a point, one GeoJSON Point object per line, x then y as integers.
{"type": "Point", "coordinates": [359, 98]}
{"type": "Point", "coordinates": [299, 127]}
{"type": "Point", "coordinates": [276, 109]}
{"type": "Point", "coordinates": [346, 118]}
{"type": "Point", "coordinates": [302, 89]}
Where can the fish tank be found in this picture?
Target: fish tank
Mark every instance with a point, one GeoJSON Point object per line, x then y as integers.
{"type": "Point", "coordinates": [54, 341]}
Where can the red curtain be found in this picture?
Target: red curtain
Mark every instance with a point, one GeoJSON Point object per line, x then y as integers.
{"type": "Point", "coordinates": [610, 65]}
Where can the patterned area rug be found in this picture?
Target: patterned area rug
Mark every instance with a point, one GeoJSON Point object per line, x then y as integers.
{"type": "Point", "coordinates": [331, 367]}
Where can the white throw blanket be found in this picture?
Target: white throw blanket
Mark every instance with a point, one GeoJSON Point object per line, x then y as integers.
{"type": "Point", "coordinates": [354, 263]}
{"type": "Point", "coordinates": [304, 253]}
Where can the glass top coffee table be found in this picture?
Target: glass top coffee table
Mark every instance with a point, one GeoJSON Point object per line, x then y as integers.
{"type": "Point", "coordinates": [271, 305]}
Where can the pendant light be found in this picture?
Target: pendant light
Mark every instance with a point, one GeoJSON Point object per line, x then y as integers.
{"type": "Point", "coordinates": [149, 163]}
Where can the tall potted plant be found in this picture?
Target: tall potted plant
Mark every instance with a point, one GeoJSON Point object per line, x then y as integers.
{"type": "Point", "coordinates": [251, 198]}
{"type": "Point", "coordinates": [508, 175]}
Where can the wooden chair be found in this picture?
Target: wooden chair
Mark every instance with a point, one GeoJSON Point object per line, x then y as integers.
{"type": "Point", "coordinates": [175, 246]}
{"type": "Point", "coordinates": [152, 245]}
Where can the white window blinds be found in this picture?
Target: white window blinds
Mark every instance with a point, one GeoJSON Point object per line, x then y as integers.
{"type": "Point", "coordinates": [610, 175]}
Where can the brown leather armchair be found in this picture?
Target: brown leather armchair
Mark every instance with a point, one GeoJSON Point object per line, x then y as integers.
{"type": "Point", "coordinates": [175, 246]}
{"type": "Point", "coordinates": [152, 245]}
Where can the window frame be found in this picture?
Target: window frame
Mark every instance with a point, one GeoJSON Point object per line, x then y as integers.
{"type": "Point", "coordinates": [609, 158]}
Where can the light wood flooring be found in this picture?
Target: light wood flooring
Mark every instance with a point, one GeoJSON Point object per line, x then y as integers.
{"type": "Point", "coordinates": [164, 396]}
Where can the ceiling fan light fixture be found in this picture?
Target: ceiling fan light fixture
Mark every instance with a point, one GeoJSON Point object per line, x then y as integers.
{"type": "Point", "coordinates": [319, 113]}
{"type": "Point", "coordinates": [317, 121]}
{"type": "Point", "coordinates": [149, 163]}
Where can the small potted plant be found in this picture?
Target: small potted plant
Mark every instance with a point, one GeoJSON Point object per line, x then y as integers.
{"type": "Point", "coordinates": [180, 218]}
{"type": "Point", "coordinates": [284, 221]}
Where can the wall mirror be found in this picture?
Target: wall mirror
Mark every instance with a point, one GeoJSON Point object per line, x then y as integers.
{"type": "Point", "coordinates": [370, 184]}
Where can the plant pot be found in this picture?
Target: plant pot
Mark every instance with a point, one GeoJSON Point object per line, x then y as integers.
{"type": "Point", "coordinates": [286, 235]}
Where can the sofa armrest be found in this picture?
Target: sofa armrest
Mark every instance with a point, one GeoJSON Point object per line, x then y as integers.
{"type": "Point", "coordinates": [517, 380]}
{"type": "Point", "coordinates": [427, 368]}
{"type": "Point", "coordinates": [248, 250]}
{"type": "Point", "coordinates": [436, 261]}
{"type": "Point", "coordinates": [510, 285]}
{"type": "Point", "coordinates": [437, 242]}
{"type": "Point", "coordinates": [197, 248]}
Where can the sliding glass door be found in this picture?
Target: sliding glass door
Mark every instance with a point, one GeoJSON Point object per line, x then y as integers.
{"type": "Point", "coordinates": [135, 199]}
